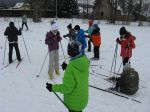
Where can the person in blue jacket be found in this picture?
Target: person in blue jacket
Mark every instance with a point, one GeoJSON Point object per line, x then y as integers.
{"type": "Point", "coordinates": [81, 37]}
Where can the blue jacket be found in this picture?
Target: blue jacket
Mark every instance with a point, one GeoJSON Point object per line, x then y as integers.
{"type": "Point", "coordinates": [81, 38]}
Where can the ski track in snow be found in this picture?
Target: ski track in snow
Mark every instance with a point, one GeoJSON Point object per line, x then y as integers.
{"type": "Point", "coordinates": [22, 91]}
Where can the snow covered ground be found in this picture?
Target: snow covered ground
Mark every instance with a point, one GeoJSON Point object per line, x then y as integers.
{"type": "Point", "coordinates": [22, 91]}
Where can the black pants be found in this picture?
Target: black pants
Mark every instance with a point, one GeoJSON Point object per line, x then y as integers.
{"type": "Point", "coordinates": [96, 52]}
{"type": "Point", "coordinates": [89, 45]}
{"type": "Point", "coordinates": [15, 45]}
{"type": "Point", "coordinates": [125, 60]}
{"type": "Point", "coordinates": [24, 23]}
{"type": "Point", "coordinates": [74, 111]}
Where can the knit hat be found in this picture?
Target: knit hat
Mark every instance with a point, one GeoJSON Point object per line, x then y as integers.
{"type": "Point", "coordinates": [90, 22]}
{"type": "Point", "coordinates": [11, 24]}
{"type": "Point", "coordinates": [123, 31]}
{"type": "Point", "coordinates": [52, 22]}
{"type": "Point", "coordinates": [77, 27]}
{"type": "Point", "coordinates": [69, 26]}
{"type": "Point", "coordinates": [74, 48]}
{"type": "Point", "coordinates": [95, 26]}
{"type": "Point", "coordinates": [54, 27]}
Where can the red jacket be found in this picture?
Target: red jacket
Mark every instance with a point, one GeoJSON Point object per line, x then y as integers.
{"type": "Point", "coordinates": [127, 45]}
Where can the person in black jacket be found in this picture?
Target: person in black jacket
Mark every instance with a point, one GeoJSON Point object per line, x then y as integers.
{"type": "Point", "coordinates": [12, 34]}
{"type": "Point", "coordinates": [71, 34]}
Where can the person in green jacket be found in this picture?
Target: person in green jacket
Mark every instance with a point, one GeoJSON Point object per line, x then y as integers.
{"type": "Point", "coordinates": [89, 32]}
{"type": "Point", "coordinates": [75, 80]}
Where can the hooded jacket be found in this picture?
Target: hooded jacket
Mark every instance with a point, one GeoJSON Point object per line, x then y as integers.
{"type": "Point", "coordinates": [12, 32]}
{"type": "Point", "coordinates": [96, 37]}
{"type": "Point", "coordinates": [75, 84]}
{"type": "Point", "coordinates": [90, 30]}
{"type": "Point", "coordinates": [52, 40]}
{"type": "Point", "coordinates": [127, 44]}
{"type": "Point", "coordinates": [81, 38]}
{"type": "Point", "coordinates": [71, 35]}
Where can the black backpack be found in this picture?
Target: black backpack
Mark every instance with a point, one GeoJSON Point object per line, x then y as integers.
{"type": "Point", "coordinates": [129, 82]}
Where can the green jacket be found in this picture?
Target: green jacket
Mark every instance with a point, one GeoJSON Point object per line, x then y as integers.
{"type": "Point", "coordinates": [75, 84]}
{"type": "Point", "coordinates": [90, 30]}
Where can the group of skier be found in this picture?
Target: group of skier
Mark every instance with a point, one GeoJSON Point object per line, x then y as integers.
{"type": "Point", "coordinates": [76, 75]}
{"type": "Point", "coordinates": [75, 80]}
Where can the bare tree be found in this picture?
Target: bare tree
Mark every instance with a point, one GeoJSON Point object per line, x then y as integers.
{"type": "Point", "coordinates": [130, 7]}
{"type": "Point", "coordinates": [115, 4]}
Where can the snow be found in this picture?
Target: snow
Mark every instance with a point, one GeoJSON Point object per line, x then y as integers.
{"type": "Point", "coordinates": [22, 91]}
{"type": "Point", "coordinates": [18, 5]}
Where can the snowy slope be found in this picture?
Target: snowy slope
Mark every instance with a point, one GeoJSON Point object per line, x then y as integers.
{"type": "Point", "coordinates": [22, 91]}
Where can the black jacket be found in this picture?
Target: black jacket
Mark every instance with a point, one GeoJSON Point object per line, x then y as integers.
{"type": "Point", "coordinates": [71, 35]}
{"type": "Point", "coordinates": [12, 33]}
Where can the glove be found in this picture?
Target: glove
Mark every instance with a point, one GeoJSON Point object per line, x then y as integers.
{"type": "Point", "coordinates": [58, 33]}
{"type": "Point", "coordinates": [128, 46]}
{"type": "Point", "coordinates": [117, 40]}
{"type": "Point", "coordinates": [49, 86]}
{"type": "Point", "coordinates": [64, 65]}
{"type": "Point", "coordinates": [86, 36]}
{"type": "Point", "coordinates": [20, 29]}
{"type": "Point", "coordinates": [64, 36]}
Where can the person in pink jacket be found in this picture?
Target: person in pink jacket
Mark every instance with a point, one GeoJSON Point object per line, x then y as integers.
{"type": "Point", "coordinates": [52, 40]}
{"type": "Point", "coordinates": [126, 41]}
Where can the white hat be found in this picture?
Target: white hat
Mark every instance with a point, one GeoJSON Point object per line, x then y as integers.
{"type": "Point", "coordinates": [54, 27]}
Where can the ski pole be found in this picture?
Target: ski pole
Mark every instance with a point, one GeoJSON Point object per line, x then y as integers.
{"type": "Point", "coordinates": [42, 64]}
{"type": "Point", "coordinates": [60, 98]}
{"type": "Point", "coordinates": [63, 52]}
{"type": "Point", "coordinates": [114, 58]}
{"type": "Point", "coordinates": [26, 48]}
{"type": "Point", "coordinates": [4, 50]}
{"type": "Point", "coordinates": [66, 39]}
{"type": "Point", "coordinates": [122, 61]}
{"type": "Point", "coordinates": [18, 22]}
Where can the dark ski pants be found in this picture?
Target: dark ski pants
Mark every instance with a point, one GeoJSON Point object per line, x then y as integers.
{"type": "Point", "coordinates": [15, 45]}
{"type": "Point", "coordinates": [96, 52]}
{"type": "Point", "coordinates": [89, 45]}
{"type": "Point", "coordinates": [74, 111]}
{"type": "Point", "coordinates": [125, 60]}
{"type": "Point", "coordinates": [24, 23]}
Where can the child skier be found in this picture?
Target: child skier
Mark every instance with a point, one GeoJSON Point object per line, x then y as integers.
{"type": "Point", "coordinates": [12, 34]}
{"type": "Point", "coordinates": [127, 44]}
{"type": "Point", "coordinates": [75, 81]}
{"type": "Point", "coordinates": [81, 37]}
{"type": "Point", "coordinates": [89, 31]}
{"type": "Point", "coordinates": [129, 79]}
{"type": "Point", "coordinates": [52, 40]}
{"type": "Point", "coordinates": [96, 40]}
{"type": "Point", "coordinates": [24, 21]}
{"type": "Point", "coordinates": [71, 34]}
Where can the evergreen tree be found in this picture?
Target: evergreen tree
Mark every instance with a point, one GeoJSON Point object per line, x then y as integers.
{"type": "Point", "coordinates": [65, 8]}
{"type": "Point", "coordinates": [96, 8]}
{"type": "Point", "coordinates": [71, 7]}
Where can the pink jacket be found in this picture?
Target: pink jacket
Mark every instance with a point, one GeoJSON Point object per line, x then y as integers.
{"type": "Point", "coordinates": [52, 41]}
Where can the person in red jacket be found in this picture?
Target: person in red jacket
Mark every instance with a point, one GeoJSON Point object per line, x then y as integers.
{"type": "Point", "coordinates": [127, 44]}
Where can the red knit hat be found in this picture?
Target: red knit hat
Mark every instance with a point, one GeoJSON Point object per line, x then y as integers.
{"type": "Point", "coordinates": [91, 22]}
